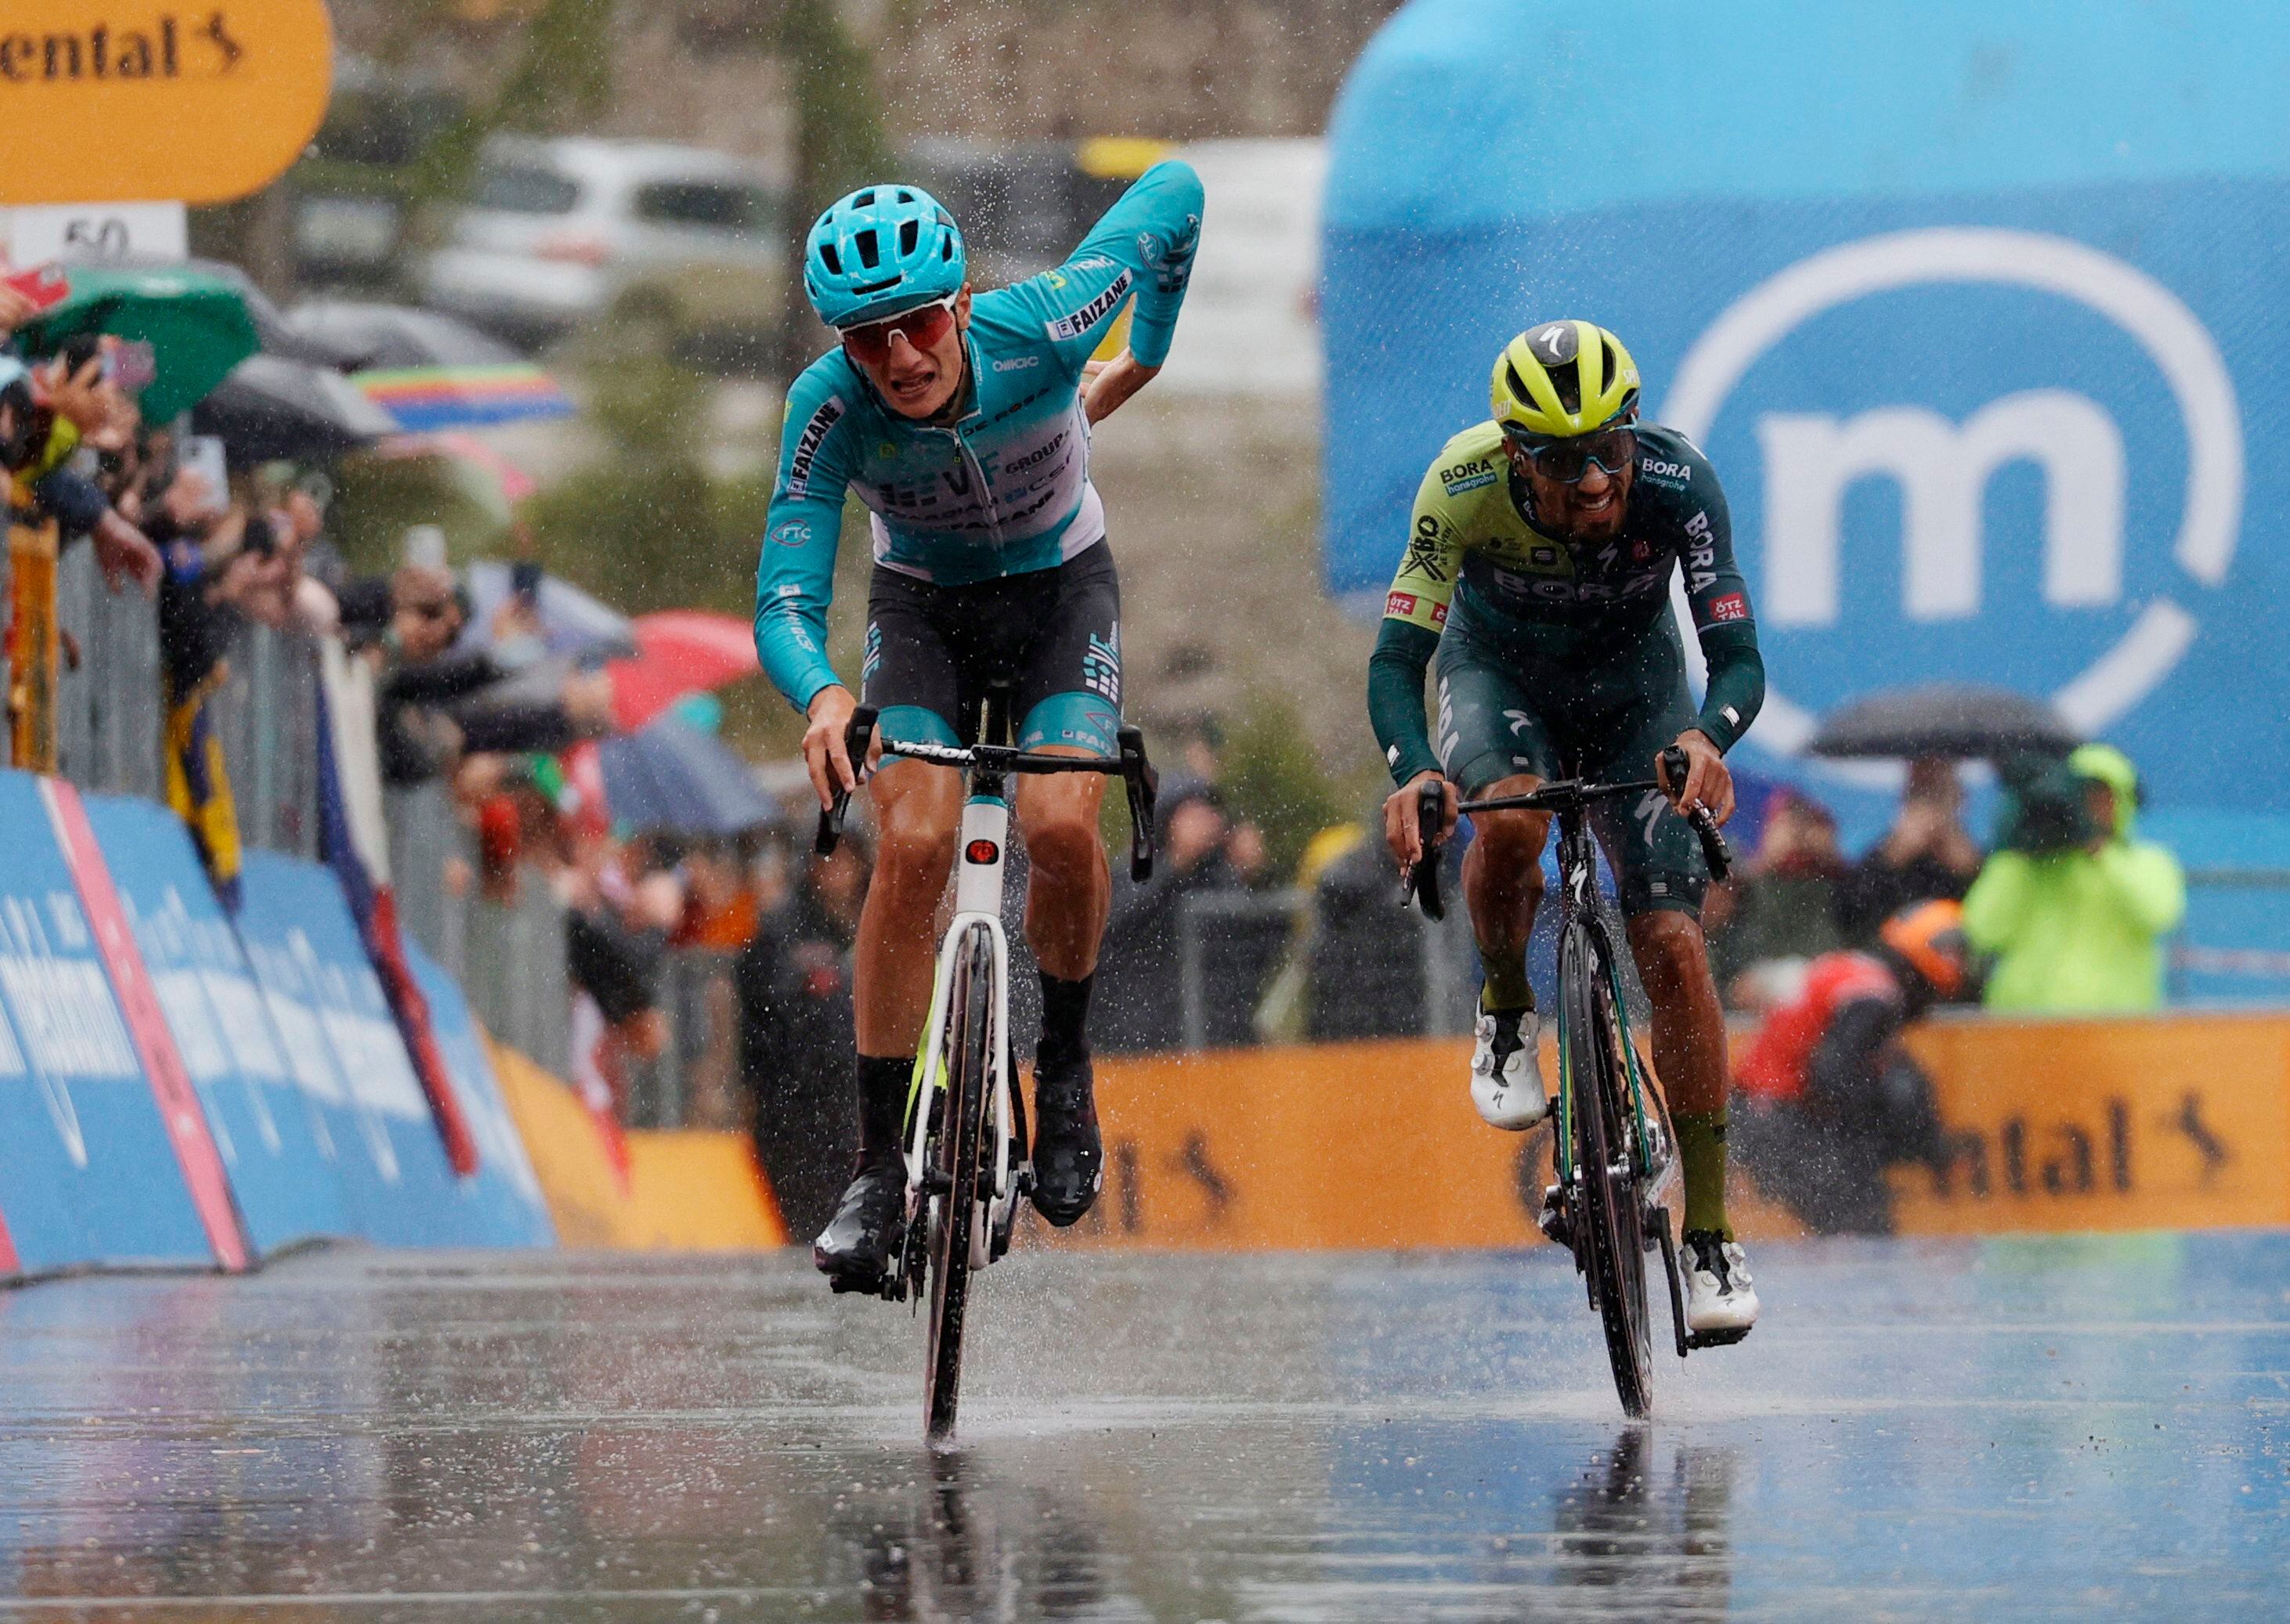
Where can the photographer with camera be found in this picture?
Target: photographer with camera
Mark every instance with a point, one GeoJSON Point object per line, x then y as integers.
{"type": "Point", "coordinates": [2073, 908]}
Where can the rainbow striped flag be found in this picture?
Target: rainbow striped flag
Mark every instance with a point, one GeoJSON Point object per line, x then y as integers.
{"type": "Point", "coordinates": [423, 398]}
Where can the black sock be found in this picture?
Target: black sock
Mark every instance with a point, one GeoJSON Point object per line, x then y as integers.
{"type": "Point", "coordinates": [1065, 1015]}
{"type": "Point", "coordinates": [882, 1107]}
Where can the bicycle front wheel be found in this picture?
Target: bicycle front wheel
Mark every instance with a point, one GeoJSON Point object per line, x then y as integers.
{"type": "Point", "coordinates": [1609, 1235]}
{"type": "Point", "coordinates": [955, 1166]}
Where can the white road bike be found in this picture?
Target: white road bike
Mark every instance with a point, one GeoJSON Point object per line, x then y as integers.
{"type": "Point", "coordinates": [965, 1129]}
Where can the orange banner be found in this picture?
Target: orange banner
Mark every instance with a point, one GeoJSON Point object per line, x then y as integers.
{"type": "Point", "coordinates": [123, 101]}
{"type": "Point", "coordinates": [687, 1191]}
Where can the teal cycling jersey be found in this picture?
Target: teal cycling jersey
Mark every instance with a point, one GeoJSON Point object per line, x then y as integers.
{"type": "Point", "coordinates": [1004, 488]}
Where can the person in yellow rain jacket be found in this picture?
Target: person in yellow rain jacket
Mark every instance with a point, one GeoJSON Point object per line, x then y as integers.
{"type": "Point", "coordinates": [2080, 927]}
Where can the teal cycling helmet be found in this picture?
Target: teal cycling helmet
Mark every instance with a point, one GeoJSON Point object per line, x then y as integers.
{"type": "Point", "coordinates": [882, 250]}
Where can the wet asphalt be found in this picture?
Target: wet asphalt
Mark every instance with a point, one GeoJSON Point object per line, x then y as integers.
{"type": "Point", "coordinates": [2030, 1429]}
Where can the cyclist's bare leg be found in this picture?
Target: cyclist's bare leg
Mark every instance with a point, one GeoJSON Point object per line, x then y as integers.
{"type": "Point", "coordinates": [1689, 1057]}
{"type": "Point", "coordinates": [1502, 874]}
{"type": "Point", "coordinates": [1689, 1025]}
{"type": "Point", "coordinates": [917, 808]}
{"type": "Point", "coordinates": [1066, 905]}
{"type": "Point", "coordinates": [1072, 888]}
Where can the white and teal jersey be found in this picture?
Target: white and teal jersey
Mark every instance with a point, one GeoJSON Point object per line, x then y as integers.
{"type": "Point", "coordinates": [1003, 491]}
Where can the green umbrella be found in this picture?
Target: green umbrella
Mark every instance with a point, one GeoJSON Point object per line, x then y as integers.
{"type": "Point", "coordinates": [195, 323]}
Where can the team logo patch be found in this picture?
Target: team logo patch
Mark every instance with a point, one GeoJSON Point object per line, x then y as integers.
{"type": "Point", "coordinates": [793, 532]}
{"type": "Point", "coordinates": [1733, 606]}
{"type": "Point", "coordinates": [1401, 604]}
{"type": "Point", "coordinates": [797, 483]}
{"type": "Point", "coordinates": [1078, 322]}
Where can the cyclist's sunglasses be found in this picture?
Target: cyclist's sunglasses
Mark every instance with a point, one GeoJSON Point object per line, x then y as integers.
{"type": "Point", "coordinates": [1567, 459]}
{"type": "Point", "coordinates": [924, 326]}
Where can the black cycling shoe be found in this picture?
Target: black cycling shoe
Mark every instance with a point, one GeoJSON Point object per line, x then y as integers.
{"type": "Point", "coordinates": [1068, 1155]}
{"type": "Point", "coordinates": [856, 1249]}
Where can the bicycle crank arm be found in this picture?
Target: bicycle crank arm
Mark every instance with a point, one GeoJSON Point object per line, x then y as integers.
{"type": "Point", "coordinates": [1658, 1220]}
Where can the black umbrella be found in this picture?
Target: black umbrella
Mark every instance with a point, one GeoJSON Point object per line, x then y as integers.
{"type": "Point", "coordinates": [269, 408]}
{"type": "Point", "coordinates": [397, 336]}
{"type": "Point", "coordinates": [1950, 719]}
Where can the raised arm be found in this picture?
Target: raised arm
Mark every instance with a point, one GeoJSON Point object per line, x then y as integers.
{"type": "Point", "coordinates": [1141, 250]}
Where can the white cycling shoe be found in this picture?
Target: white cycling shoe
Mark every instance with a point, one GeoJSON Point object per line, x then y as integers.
{"type": "Point", "coordinates": [1507, 1071]}
{"type": "Point", "coordinates": [1720, 1294]}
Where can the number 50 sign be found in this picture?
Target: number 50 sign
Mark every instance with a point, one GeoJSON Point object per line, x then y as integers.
{"type": "Point", "coordinates": [122, 100]}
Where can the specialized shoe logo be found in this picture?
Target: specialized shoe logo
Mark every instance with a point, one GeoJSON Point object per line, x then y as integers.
{"type": "Point", "coordinates": [1928, 307]}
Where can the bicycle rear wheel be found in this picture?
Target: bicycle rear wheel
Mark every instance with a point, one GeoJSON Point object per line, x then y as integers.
{"type": "Point", "coordinates": [1609, 1235]}
{"type": "Point", "coordinates": [959, 1153]}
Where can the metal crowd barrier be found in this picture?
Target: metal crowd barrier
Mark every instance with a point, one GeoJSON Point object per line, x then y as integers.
{"type": "Point", "coordinates": [110, 725]}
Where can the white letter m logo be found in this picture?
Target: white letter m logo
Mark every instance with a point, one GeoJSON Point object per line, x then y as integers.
{"type": "Point", "coordinates": [1942, 471]}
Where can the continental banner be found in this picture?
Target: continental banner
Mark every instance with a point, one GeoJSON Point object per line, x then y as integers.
{"type": "Point", "coordinates": [2177, 1121]}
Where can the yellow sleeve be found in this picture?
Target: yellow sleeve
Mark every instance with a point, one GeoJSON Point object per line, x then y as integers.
{"type": "Point", "coordinates": [1426, 582]}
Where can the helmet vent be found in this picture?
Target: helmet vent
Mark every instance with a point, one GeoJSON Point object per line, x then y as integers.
{"type": "Point", "coordinates": [865, 288]}
{"type": "Point", "coordinates": [863, 200]}
{"type": "Point", "coordinates": [1566, 378]}
{"type": "Point", "coordinates": [910, 234]}
{"type": "Point", "coordinates": [830, 258]}
{"type": "Point", "coordinates": [1518, 384]}
{"type": "Point", "coordinates": [870, 253]}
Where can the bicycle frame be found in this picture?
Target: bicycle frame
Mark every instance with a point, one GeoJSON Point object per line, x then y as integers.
{"type": "Point", "coordinates": [1577, 904]}
{"type": "Point", "coordinates": [981, 853]}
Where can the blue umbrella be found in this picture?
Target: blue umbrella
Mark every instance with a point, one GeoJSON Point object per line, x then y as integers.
{"type": "Point", "coordinates": [671, 776]}
{"type": "Point", "coordinates": [572, 622]}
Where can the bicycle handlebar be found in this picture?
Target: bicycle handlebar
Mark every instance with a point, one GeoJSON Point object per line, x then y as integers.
{"type": "Point", "coordinates": [1421, 882]}
{"type": "Point", "coordinates": [1136, 772]}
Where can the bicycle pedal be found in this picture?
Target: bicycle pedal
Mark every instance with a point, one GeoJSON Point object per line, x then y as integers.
{"type": "Point", "coordinates": [1715, 1339]}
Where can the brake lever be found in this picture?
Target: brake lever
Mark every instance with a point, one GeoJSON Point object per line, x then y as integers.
{"type": "Point", "coordinates": [1421, 881]}
{"type": "Point", "coordinates": [856, 736]}
{"type": "Point", "coordinates": [1144, 787]}
{"type": "Point", "coordinates": [1715, 851]}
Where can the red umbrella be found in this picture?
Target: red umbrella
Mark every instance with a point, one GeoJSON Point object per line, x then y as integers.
{"type": "Point", "coordinates": [679, 651]}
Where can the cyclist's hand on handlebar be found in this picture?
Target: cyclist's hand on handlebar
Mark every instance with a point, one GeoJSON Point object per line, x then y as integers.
{"type": "Point", "coordinates": [1399, 830]}
{"type": "Point", "coordinates": [824, 751]}
{"type": "Point", "coordinates": [1708, 782]}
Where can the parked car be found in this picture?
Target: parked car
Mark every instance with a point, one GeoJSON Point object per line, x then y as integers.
{"type": "Point", "coordinates": [680, 244]}
{"type": "Point", "coordinates": [349, 194]}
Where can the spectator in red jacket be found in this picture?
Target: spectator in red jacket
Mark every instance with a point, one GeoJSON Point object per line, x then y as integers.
{"type": "Point", "coordinates": [1832, 1098]}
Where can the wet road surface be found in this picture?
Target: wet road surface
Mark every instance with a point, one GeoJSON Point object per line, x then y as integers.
{"type": "Point", "coordinates": [2008, 1428]}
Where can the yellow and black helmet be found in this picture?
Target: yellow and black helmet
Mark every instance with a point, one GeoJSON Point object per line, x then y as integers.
{"type": "Point", "coordinates": [1564, 378]}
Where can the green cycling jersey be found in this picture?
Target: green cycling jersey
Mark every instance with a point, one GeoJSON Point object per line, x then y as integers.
{"type": "Point", "coordinates": [1563, 611]}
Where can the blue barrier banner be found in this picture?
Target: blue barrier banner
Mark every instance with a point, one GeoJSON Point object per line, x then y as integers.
{"type": "Point", "coordinates": [305, 951]}
{"type": "Point", "coordinates": [1988, 356]}
{"type": "Point", "coordinates": [276, 1144]}
{"type": "Point", "coordinates": [503, 1195]}
{"type": "Point", "coordinates": [90, 1174]}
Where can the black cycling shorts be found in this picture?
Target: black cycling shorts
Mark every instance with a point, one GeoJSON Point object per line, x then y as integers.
{"type": "Point", "coordinates": [1054, 635]}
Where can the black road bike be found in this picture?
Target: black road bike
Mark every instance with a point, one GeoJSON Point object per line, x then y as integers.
{"type": "Point", "coordinates": [1612, 1148]}
{"type": "Point", "coordinates": [965, 1130]}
